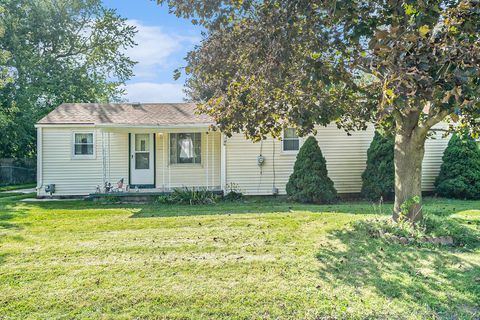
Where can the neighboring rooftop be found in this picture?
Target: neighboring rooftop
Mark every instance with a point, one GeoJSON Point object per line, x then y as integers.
{"type": "Point", "coordinates": [127, 114]}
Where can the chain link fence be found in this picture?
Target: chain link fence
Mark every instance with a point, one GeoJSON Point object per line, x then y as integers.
{"type": "Point", "coordinates": [17, 171]}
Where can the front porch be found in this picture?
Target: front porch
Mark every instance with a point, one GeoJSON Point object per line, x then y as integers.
{"type": "Point", "coordinates": [162, 159]}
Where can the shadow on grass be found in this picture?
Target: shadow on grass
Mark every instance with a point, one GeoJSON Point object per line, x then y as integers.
{"type": "Point", "coordinates": [247, 207]}
{"type": "Point", "coordinates": [8, 211]}
{"type": "Point", "coordinates": [253, 206]}
{"type": "Point", "coordinates": [442, 279]}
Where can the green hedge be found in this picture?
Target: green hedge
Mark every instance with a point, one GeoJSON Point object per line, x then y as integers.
{"type": "Point", "coordinates": [460, 171]}
{"type": "Point", "coordinates": [379, 175]}
{"type": "Point", "coordinates": [309, 181]}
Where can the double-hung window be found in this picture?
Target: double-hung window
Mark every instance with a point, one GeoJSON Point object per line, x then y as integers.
{"type": "Point", "coordinates": [186, 148]}
{"type": "Point", "coordinates": [83, 145]}
{"type": "Point", "coordinates": [290, 141]}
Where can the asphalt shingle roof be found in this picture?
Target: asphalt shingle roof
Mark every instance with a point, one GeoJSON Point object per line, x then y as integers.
{"type": "Point", "coordinates": [127, 114]}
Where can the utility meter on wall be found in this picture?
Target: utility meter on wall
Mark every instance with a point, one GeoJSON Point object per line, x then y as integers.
{"type": "Point", "coordinates": [260, 160]}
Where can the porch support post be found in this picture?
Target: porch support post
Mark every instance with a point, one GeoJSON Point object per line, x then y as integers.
{"type": "Point", "coordinates": [169, 170]}
{"type": "Point", "coordinates": [169, 164]}
{"type": "Point", "coordinates": [109, 159]}
{"type": "Point", "coordinates": [154, 160]}
{"type": "Point", "coordinates": [223, 162]}
{"type": "Point", "coordinates": [104, 160]}
{"type": "Point", "coordinates": [164, 150]}
{"type": "Point", "coordinates": [213, 159]}
{"type": "Point", "coordinates": [206, 154]}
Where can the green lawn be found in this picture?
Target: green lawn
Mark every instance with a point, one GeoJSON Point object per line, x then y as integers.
{"type": "Point", "coordinates": [260, 259]}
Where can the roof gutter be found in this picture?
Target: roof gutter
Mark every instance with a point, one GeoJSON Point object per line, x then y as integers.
{"type": "Point", "coordinates": [123, 126]}
{"type": "Point", "coordinates": [149, 126]}
{"type": "Point", "coordinates": [63, 125]}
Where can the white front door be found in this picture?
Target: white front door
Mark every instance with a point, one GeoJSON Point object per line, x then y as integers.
{"type": "Point", "coordinates": [141, 159]}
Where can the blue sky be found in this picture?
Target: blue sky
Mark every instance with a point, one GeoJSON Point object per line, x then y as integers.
{"type": "Point", "coordinates": [163, 42]}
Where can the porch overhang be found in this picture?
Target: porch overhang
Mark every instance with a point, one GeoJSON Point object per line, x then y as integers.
{"type": "Point", "coordinates": [149, 128]}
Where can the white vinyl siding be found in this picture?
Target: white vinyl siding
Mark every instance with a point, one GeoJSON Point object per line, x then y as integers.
{"type": "Point", "coordinates": [432, 160]}
{"type": "Point", "coordinates": [346, 160]}
{"type": "Point", "coordinates": [73, 176]}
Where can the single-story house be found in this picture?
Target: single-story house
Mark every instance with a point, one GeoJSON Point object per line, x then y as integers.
{"type": "Point", "coordinates": [163, 146]}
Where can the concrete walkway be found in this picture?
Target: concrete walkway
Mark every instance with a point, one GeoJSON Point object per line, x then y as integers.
{"type": "Point", "coordinates": [24, 191]}
{"type": "Point", "coordinates": [44, 200]}
{"type": "Point", "coordinates": [30, 190]}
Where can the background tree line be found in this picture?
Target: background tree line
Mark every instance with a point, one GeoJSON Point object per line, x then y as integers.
{"type": "Point", "coordinates": [56, 51]}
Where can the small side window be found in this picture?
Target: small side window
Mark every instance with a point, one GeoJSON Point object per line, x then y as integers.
{"type": "Point", "coordinates": [291, 141]}
{"type": "Point", "coordinates": [83, 145]}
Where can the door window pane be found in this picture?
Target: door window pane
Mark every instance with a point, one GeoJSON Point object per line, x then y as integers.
{"type": "Point", "coordinates": [142, 142]}
{"type": "Point", "coordinates": [142, 160]}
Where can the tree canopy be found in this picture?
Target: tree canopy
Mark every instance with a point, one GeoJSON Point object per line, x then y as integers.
{"type": "Point", "coordinates": [403, 65]}
{"type": "Point", "coordinates": [312, 62]}
{"type": "Point", "coordinates": [5, 77]}
{"type": "Point", "coordinates": [59, 51]}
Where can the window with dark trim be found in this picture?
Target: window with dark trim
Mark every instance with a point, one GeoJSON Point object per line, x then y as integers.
{"type": "Point", "coordinates": [186, 148]}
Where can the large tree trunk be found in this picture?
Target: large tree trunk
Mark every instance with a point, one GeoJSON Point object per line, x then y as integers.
{"type": "Point", "coordinates": [409, 152]}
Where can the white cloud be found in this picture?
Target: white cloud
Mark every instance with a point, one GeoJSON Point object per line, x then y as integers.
{"type": "Point", "coordinates": [154, 92]}
{"type": "Point", "coordinates": [154, 49]}
{"type": "Point", "coordinates": [158, 52]}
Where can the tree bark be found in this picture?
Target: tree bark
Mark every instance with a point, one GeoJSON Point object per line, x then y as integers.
{"type": "Point", "coordinates": [408, 157]}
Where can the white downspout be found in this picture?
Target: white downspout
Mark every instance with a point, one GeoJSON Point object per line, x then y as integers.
{"type": "Point", "coordinates": [223, 162]}
{"type": "Point", "coordinates": [39, 159]}
{"type": "Point", "coordinates": [104, 160]}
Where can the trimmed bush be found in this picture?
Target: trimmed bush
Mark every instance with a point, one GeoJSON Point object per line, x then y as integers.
{"type": "Point", "coordinates": [460, 171]}
{"type": "Point", "coordinates": [379, 175]}
{"type": "Point", "coordinates": [309, 181]}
